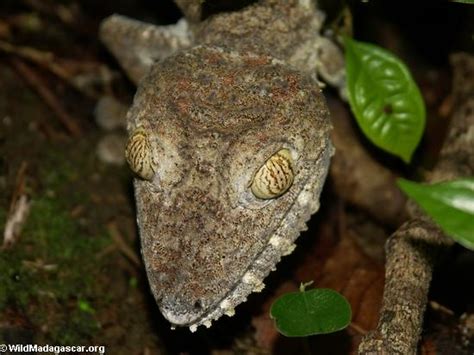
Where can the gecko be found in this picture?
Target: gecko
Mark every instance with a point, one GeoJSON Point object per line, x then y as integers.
{"type": "Point", "coordinates": [228, 138]}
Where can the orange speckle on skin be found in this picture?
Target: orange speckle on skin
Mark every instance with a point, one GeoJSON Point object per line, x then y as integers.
{"type": "Point", "coordinates": [257, 61]}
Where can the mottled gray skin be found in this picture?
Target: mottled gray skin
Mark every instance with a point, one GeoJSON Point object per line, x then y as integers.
{"type": "Point", "coordinates": [215, 111]}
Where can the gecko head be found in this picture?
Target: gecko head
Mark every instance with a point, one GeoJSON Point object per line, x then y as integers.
{"type": "Point", "coordinates": [231, 151]}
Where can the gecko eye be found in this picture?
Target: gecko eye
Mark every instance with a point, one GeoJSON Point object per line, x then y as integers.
{"type": "Point", "coordinates": [139, 154]}
{"type": "Point", "coordinates": [274, 177]}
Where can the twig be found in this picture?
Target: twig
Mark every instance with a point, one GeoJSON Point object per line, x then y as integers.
{"type": "Point", "coordinates": [39, 264]}
{"type": "Point", "coordinates": [440, 308]}
{"type": "Point", "coordinates": [39, 57]}
{"type": "Point", "coordinates": [15, 222]}
{"type": "Point", "coordinates": [34, 80]}
{"type": "Point", "coordinates": [19, 208]}
{"type": "Point", "coordinates": [122, 245]}
{"type": "Point", "coordinates": [413, 249]}
{"type": "Point", "coordinates": [357, 328]}
{"type": "Point", "coordinates": [19, 184]}
{"type": "Point", "coordinates": [66, 70]}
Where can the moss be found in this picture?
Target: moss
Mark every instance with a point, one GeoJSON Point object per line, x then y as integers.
{"type": "Point", "coordinates": [55, 264]}
{"type": "Point", "coordinates": [78, 326]}
{"type": "Point", "coordinates": [54, 261]}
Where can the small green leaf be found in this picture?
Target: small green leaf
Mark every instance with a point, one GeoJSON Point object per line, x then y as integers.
{"type": "Point", "coordinates": [317, 311]}
{"type": "Point", "coordinates": [450, 204]}
{"type": "Point", "coordinates": [384, 98]}
{"type": "Point", "coordinates": [84, 306]}
{"type": "Point", "coordinates": [464, 1]}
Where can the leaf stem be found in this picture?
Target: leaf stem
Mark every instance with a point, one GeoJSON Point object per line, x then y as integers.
{"type": "Point", "coordinates": [303, 285]}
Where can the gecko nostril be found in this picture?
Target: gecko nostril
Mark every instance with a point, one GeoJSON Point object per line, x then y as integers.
{"type": "Point", "coordinates": [198, 305]}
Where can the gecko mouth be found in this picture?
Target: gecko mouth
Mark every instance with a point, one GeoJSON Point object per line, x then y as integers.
{"type": "Point", "coordinates": [180, 314]}
{"type": "Point", "coordinates": [281, 243]}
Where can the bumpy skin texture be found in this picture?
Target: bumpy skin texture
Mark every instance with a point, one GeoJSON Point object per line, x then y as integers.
{"type": "Point", "coordinates": [214, 113]}
{"type": "Point", "coordinates": [289, 32]}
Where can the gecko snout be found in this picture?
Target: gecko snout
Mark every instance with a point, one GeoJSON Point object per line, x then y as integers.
{"type": "Point", "coordinates": [181, 312]}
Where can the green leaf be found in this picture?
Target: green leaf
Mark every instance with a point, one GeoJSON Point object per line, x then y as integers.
{"type": "Point", "coordinates": [84, 306]}
{"type": "Point", "coordinates": [317, 311]}
{"type": "Point", "coordinates": [450, 204]}
{"type": "Point", "coordinates": [464, 1]}
{"type": "Point", "coordinates": [384, 98]}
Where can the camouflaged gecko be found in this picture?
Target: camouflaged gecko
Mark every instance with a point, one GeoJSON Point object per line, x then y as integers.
{"type": "Point", "coordinates": [229, 139]}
